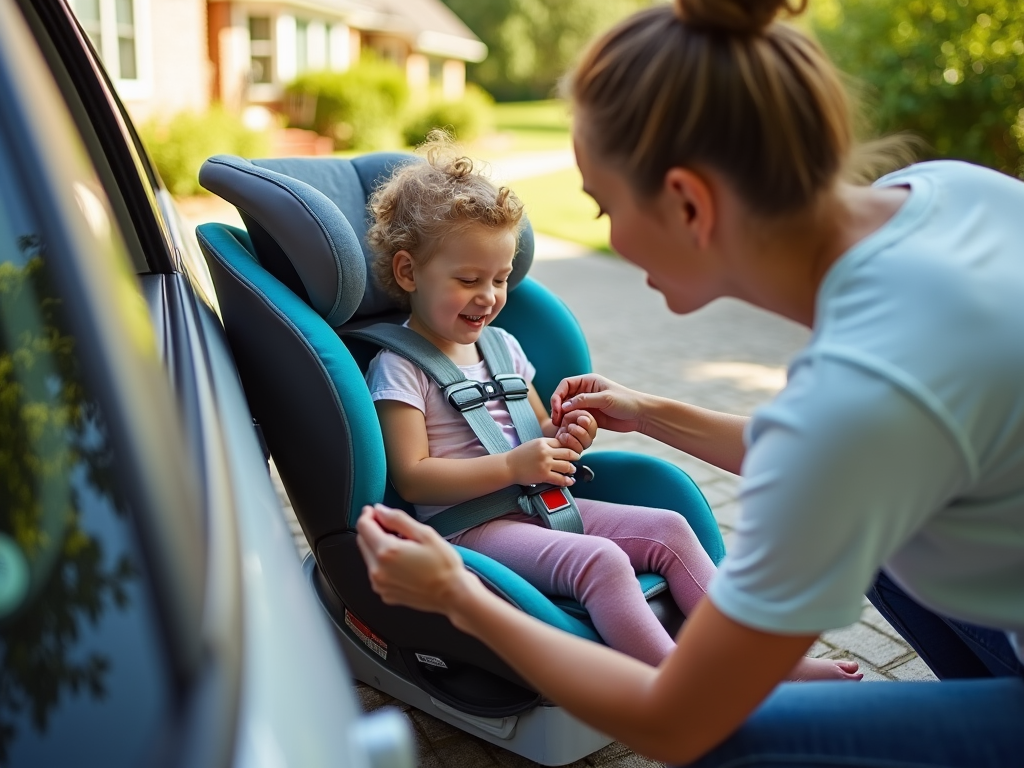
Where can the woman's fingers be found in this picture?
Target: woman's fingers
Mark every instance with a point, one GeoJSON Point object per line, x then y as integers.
{"type": "Point", "coordinates": [400, 523]}
{"type": "Point", "coordinates": [570, 387]}
{"type": "Point", "coordinates": [581, 401]}
{"type": "Point", "coordinates": [408, 562]}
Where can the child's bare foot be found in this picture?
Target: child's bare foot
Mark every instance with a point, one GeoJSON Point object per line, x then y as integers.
{"type": "Point", "coordinates": [825, 669]}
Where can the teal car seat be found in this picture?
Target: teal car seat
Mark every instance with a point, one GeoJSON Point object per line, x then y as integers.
{"type": "Point", "coordinates": [287, 285]}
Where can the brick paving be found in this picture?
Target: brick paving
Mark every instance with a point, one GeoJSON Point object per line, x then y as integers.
{"type": "Point", "coordinates": [728, 356]}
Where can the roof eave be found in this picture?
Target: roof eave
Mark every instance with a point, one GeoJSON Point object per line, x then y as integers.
{"type": "Point", "coordinates": [450, 46]}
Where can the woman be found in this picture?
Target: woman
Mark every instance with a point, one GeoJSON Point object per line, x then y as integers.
{"type": "Point", "coordinates": [716, 141]}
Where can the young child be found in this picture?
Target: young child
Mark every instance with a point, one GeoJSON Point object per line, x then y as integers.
{"type": "Point", "coordinates": [445, 238]}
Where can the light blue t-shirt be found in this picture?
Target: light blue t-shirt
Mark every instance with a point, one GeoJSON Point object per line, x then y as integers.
{"type": "Point", "coordinates": [898, 441]}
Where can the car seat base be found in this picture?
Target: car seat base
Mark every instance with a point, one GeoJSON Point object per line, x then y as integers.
{"type": "Point", "coordinates": [544, 733]}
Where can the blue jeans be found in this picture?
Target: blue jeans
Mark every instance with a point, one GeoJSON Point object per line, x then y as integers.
{"type": "Point", "coordinates": [976, 721]}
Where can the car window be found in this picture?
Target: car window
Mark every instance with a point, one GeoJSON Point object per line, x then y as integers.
{"type": "Point", "coordinates": [108, 135]}
{"type": "Point", "coordinates": [84, 668]}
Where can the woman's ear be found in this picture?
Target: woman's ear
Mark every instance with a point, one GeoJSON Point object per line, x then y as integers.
{"type": "Point", "coordinates": [689, 196]}
{"type": "Point", "coordinates": [402, 266]}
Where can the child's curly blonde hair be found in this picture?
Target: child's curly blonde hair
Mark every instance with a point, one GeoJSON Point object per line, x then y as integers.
{"type": "Point", "coordinates": [423, 204]}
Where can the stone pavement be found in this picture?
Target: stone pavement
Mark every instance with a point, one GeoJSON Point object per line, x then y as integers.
{"type": "Point", "coordinates": [728, 356]}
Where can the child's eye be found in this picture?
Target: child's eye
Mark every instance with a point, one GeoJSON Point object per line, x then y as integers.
{"type": "Point", "coordinates": [467, 280]}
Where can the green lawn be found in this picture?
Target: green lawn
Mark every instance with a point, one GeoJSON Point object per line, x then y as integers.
{"type": "Point", "coordinates": [528, 126]}
{"type": "Point", "coordinates": [557, 206]}
{"type": "Point", "coordinates": [555, 202]}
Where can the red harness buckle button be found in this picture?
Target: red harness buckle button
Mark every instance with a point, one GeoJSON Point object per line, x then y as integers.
{"type": "Point", "coordinates": [555, 499]}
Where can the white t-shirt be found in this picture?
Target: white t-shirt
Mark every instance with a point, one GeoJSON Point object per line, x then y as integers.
{"type": "Point", "coordinates": [449, 436]}
{"type": "Point", "coordinates": [898, 441]}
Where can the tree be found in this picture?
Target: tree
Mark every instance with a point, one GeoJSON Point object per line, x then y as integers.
{"type": "Point", "coordinates": [532, 43]}
{"type": "Point", "coordinates": [949, 71]}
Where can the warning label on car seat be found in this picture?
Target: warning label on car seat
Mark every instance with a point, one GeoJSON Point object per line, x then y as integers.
{"type": "Point", "coordinates": [370, 639]}
{"type": "Point", "coordinates": [433, 661]}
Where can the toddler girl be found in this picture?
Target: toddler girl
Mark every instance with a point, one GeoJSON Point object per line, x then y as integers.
{"type": "Point", "coordinates": [445, 238]}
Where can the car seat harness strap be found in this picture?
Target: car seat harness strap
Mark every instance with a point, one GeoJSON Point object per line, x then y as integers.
{"type": "Point", "coordinates": [553, 504]}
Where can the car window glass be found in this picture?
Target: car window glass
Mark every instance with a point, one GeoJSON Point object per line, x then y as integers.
{"type": "Point", "coordinates": [83, 665]}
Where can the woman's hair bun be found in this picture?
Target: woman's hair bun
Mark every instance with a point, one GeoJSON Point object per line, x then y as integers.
{"type": "Point", "coordinates": [738, 17]}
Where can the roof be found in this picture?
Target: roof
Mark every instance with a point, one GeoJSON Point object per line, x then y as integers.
{"type": "Point", "coordinates": [431, 26]}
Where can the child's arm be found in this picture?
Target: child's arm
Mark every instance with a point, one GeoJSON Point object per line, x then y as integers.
{"type": "Point", "coordinates": [577, 434]}
{"type": "Point", "coordinates": [422, 479]}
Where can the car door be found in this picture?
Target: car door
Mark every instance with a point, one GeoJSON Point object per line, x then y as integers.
{"type": "Point", "coordinates": [126, 448]}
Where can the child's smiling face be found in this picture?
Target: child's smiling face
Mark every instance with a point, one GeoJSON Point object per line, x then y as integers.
{"type": "Point", "coordinates": [461, 288]}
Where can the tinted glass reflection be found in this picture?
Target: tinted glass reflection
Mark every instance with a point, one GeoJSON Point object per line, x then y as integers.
{"type": "Point", "coordinates": [83, 678]}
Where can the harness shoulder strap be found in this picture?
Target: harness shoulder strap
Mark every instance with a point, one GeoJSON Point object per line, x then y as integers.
{"type": "Point", "coordinates": [464, 395]}
{"type": "Point", "coordinates": [553, 504]}
{"type": "Point", "coordinates": [499, 363]}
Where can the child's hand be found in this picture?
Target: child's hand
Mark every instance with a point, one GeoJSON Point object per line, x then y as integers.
{"type": "Point", "coordinates": [578, 430]}
{"type": "Point", "coordinates": [544, 460]}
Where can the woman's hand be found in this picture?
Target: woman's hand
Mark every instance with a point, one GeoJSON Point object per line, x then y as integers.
{"type": "Point", "coordinates": [577, 431]}
{"type": "Point", "coordinates": [544, 460]}
{"type": "Point", "coordinates": [615, 407]}
{"type": "Point", "coordinates": [409, 563]}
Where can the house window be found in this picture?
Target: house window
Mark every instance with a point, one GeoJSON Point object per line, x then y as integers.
{"type": "Point", "coordinates": [112, 27]}
{"type": "Point", "coordinates": [301, 45]}
{"type": "Point", "coordinates": [261, 49]}
{"type": "Point", "coordinates": [88, 12]}
{"type": "Point", "coordinates": [436, 70]}
{"type": "Point", "coordinates": [125, 18]}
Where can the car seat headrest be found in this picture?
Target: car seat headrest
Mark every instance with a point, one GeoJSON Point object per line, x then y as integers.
{"type": "Point", "coordinates": [307, 218]}
{"type": "Point", "coordinates": [298, 234]}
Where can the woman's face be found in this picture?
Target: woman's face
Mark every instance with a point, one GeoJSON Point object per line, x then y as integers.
{"type": "Point", "coordinates": [651, 234]}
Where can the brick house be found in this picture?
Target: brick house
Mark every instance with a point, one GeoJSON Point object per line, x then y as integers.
{"type": "Point", "coordinates": [166, 56]}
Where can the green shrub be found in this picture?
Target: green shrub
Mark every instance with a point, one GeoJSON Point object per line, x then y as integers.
{"type": "Point", "coordinates": [179, 145]}
{"type": "Point", "coordinates": [361, 108]}
{"type": "Point", "coordinates": [466, 119]}
{"type": "Point", "coordinates": [949, 72]}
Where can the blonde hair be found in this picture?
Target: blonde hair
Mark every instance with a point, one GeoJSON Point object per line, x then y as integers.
{"type": "Point", "coordinates": [718, 83]}
{"type": "Point", "coordinates": [424, 203]}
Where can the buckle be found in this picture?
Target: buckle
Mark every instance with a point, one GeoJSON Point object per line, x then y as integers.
{"type": "Point", "coordinates": [466, 395]}
{"type": "Point", "coordinates": [513, 386]}
{"type": "Point", "coordinates": [553, 497]}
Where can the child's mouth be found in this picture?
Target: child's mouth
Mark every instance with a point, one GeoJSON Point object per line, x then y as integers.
{"type": "Point", "coordinates": [474, 320]}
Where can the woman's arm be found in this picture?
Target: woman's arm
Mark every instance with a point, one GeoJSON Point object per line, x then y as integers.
{"type": "Point", "coordinates": [719, 673]}
{"type": "Point", "coordinates": [714, 437]}
{"type": "Point", "coordinates": [423, 479]}
{"type": "Point", "coordinates": [711, 436]}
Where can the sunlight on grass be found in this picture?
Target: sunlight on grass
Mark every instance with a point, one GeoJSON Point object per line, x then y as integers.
{"type": "Point", "coordinates": [528, 126]}
{"type": "Point", "coordinates": [557, 206]}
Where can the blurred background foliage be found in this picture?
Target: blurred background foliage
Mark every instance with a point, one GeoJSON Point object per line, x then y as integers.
{"type": "Point", "coordinates": [467, 119]}
{"type": "Point", "coordinates": [179, 144]}
{"type": "Point", "coordinates": [361, 108]}
{"type": "Point", "coordinates": [531, 43]}
{"type": "Point", "coordinates": [949, 71]}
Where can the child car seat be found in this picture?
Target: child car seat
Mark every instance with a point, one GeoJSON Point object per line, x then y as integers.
{"type": "Point", "coordinates": [286, 285]}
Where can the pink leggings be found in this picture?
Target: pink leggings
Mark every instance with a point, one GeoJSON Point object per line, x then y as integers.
{"type": "Point", "coordinates": [598, 569]}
